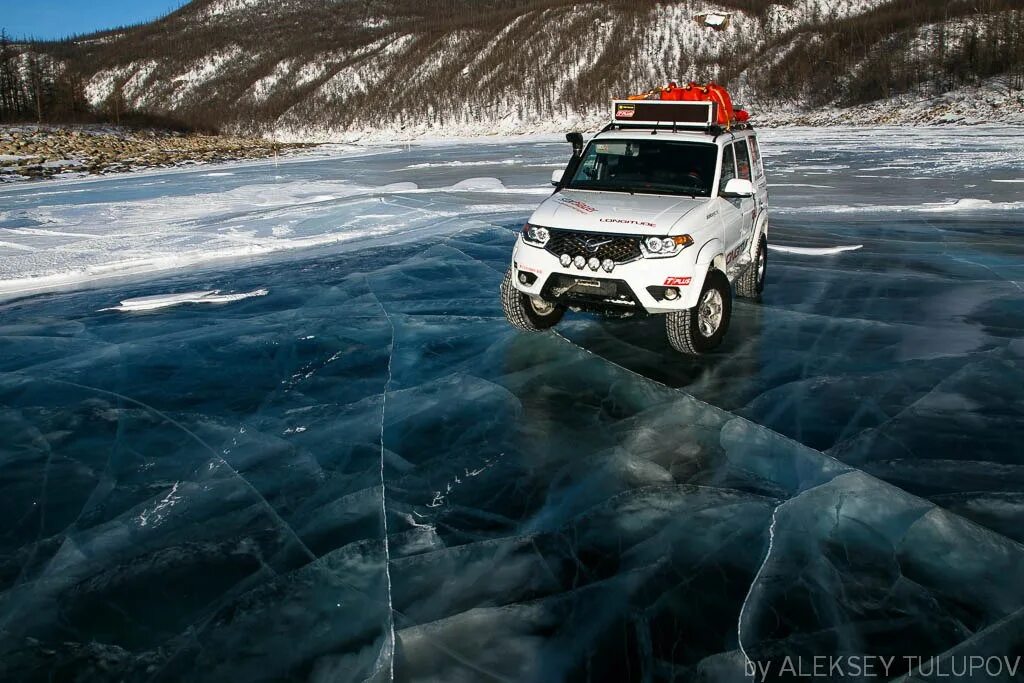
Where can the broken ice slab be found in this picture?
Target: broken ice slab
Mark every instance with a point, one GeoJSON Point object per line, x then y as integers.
{"type": "Point", "coordinates": [585, 436]}
{"type": "Point", "coordinates": [857, 567]}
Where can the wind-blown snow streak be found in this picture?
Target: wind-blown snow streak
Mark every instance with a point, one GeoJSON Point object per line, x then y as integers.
{"type": "Point", "coordinates": [814, 251]}
{"type": "Point", "coordinates": [158, 301]}
{"type": "Point", "coordinates": [967, 204]}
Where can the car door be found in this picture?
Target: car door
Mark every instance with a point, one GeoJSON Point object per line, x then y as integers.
{"type": "Point", "coordinates": [730, 209]}
{"type": "Point", "coordinates": [747, 205]}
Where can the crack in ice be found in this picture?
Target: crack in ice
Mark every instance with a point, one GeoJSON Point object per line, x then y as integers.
{"type": "Point", "coordinates": [383, 493]}
{"type": "Point", "coordinates": [270, 508]}
{"type": "Point", "coordinates": [750, 590]}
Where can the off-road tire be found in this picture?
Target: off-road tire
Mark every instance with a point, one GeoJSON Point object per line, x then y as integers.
{"type": "Point", "coordinates": [751, 283]}
{"type": "Point", "coordinates": [521, 311]}
{"type": "Point", "coordinates": [683, 327]}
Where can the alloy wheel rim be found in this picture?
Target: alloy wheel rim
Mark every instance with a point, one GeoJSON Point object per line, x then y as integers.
{"type": "Point", "coordinates": [709, 312]}
{"type": "Point", "coordinates": [760, 264]}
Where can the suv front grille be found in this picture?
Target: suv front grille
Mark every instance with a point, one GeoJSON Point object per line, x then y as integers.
{"type": "Point", "coordinates": [618, 248]}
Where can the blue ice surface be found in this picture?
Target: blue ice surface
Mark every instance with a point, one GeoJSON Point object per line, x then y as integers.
{"type": "Point", "coordinates": [368, 474]}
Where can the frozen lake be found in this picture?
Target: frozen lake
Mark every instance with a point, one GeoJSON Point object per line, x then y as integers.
{"type": "Point", "coordinates": [309, 447]}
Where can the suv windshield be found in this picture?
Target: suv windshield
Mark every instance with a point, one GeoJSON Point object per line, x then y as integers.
{"type": "Point", "coordinates": [647, 166]}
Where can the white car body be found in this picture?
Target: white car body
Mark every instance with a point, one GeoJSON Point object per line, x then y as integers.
{"type": "Point", "coordinates": [725, 233]}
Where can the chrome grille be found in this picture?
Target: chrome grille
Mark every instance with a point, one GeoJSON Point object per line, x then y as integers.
{"type": "Point", "coordinates": [618, 248]}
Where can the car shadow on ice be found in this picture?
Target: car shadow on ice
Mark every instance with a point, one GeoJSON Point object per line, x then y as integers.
{"type": "Point", "coordinates": [721, 377]}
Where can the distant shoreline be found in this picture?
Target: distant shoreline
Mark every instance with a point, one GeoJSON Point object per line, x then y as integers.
{"type": "Point", "coordinates": [29, 152]}
{"type": "Point", "coordinates": [45, 151]}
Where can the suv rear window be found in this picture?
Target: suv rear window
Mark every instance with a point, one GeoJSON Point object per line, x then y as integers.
{"type": "Point", "coordinates": [647, 167]}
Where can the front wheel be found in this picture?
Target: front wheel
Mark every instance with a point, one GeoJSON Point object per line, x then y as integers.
{"type": "Point", "coordinates": [525, 312]}
{"type": "Point", "coordinates": [751, 283]}
{"type": "Point", "coordinates": [700, 329]}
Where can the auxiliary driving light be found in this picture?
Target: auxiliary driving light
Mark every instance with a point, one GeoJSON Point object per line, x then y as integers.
{"type": "Point", "coordinates": [608, 265]}
{"type": "Point", "coordinates": [594, 263]}
{"type": "Point", "coordinates": [522, 277]}
{"type": "Point", "coordinates": [671, 293]}
{"type": "Point", "coordinates": [579, 262]}
{"type": "Point", "coordinates": [565, 260]}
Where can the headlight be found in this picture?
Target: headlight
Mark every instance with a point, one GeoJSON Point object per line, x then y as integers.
{"type": "Point", "coordinates": [536, 235]}
{"type": "Point", "coordinates": [664, 247]}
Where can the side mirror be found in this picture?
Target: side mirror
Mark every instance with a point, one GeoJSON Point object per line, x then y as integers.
{"type": "Point", "coordinates": [556, 176]}
{"type": "Point", "coordinates": [738, 187]}
{"type": "Point", "coordinates": [576, 140]}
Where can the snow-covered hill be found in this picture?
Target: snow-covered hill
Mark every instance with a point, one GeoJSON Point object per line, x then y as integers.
{"type": "Point", "coordinates": [322, 69]}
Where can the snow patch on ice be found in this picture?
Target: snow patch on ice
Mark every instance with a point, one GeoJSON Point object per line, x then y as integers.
{"type": "Point", "coordinates": [814, 251]}
{"type": "Point", "coordinates": [158, 301]}
{"type": "Point", "coordinates": [156, 515]}
{"type": "Point", "coordinates": [927, 207]}
{"type": "Point", "coordinates": [972, 205]}
{"type": "Point", "coordinates": [400, 187]}
{"type": "Point", "coordinates": [457, 162]}
{"type": "Point", "coordinates": [478, 185]}
{"type": "Point", "coordinates": [487, 184]}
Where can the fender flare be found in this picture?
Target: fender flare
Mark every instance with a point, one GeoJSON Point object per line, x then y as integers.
{"type": "Point", "coordinates": [711, 250]}
{"type": "Point", "coordinates": [711, 255]}
{"type": "Point", "coordinates": [760, 228]}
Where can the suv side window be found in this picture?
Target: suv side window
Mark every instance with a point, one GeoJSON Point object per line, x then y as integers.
{"type": "Point", "coordinates": [743, 160]}
{"type": "Point", "coordinates": [755, 155]}
{"type": "Point", "coordinates": [728, 167]}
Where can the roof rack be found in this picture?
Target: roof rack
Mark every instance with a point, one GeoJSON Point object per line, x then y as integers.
{"type": "Point", "coordinates": [712, 129]}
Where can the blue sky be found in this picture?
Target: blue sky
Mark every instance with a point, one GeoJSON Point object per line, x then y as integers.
{"type": "Point", "coordinates": [59, 18]}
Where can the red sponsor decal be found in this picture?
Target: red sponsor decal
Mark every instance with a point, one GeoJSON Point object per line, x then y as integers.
{"type": "Point", "coordinates": [528, 269]}
{"type": "Point", "coordinates": [576, 204]}
{"type": "Point", "coordinates": [731, 256]}
{"type": "Point", "coordinates": [625, 113]}
{"type": "Point", "coordinates": [677, 281]}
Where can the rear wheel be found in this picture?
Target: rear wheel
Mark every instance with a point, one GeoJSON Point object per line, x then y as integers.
{"type": "Point", "coordinates": [525, 312]}
{"type": "Point", "coordinates": [700, 329]}
{"type": "Point", "coordinates": [751, 283]}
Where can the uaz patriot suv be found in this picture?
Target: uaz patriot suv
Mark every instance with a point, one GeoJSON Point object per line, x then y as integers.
{"type": "Point", "coordinates": [657, 215]}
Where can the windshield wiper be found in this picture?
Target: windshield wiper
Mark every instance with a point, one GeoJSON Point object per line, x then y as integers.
{"type": "Point", "coordinates": [668, 189]}
{"type": "Point", "coordinates": [603, 188]}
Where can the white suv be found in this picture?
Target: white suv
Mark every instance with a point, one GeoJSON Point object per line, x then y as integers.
{"type": "Point", "coordinates": [649, 218]}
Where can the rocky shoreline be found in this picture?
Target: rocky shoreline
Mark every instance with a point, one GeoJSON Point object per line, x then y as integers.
{"type": "Point", "coordinates": [36, 152]}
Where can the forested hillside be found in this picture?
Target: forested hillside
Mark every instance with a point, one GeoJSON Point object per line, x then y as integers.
{"type": "Point", "coordinates": [317, 68]}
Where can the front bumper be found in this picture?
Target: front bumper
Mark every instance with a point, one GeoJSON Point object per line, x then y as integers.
{"type": "Point", "coordinates": [627, 289]}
